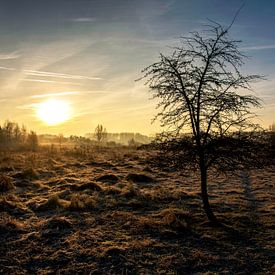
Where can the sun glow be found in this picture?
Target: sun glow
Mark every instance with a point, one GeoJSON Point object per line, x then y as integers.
{"type": "Point", "coordinates": [54, 111]}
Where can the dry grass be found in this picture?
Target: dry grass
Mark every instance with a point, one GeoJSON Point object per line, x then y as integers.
{"type": "Point", "coordinates": [52, 203]}
{"type": "Point", "coordinates": [80, 202]}
{"type": "Point", "coordinates": [110, 178]}
{"type": "Point", "coordinates": [139, 178]}
{"type": "Point", "coordinates": [9, 225]}
{"type": "Point", "coordinates": [6, 184]}
{"type": "Point", "coordinates": [108, 212]}
{"type": "Point", "coordinates": [28, 173]}
{"type": "Point", "coordinates": [87, 186]}
{"type": "Point", "coordinates": [58, 223]}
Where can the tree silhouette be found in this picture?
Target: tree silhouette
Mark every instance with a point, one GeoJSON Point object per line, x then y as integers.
{"type": "Point", "coordinates": [100, 133]}
{"type": "Point", "coordinates": [196, 87]}
{"type": "Point", "coordinates": [33, 141]}
{"type": "Point", "coordinates": [61, 139]}
{"type": "Point", "coordinates": [12, 135]}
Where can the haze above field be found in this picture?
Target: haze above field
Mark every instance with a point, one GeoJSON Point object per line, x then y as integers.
{"type": "Point", "coordinates": [85, 56]}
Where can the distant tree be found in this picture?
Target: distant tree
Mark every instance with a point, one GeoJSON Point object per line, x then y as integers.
{"type": "Point", "coordinates": [2, 136]}
{"type": "Point", "coordinates": [272, 134]}
{"type": "Point", "coordinates": [10, 134]}
{"type": "Point", "coordinates": [61, 139]}
{"type": "Point", "coordinates": [196, 87]}
{"type": "Point", "coordinates": [33, 141]}
{"type": "Point", "coordinates": [17, 134]}
{"type": "Point", "coordinates": [100, 133]}
{"type": "Point", "coordinates": [132, 142]}
{"type": "Point", "coordinates": [24, 134]}
{"type": "Point", "coordinates": [8, 128]}
{"type": "Point", "coordinates": [272, 127]}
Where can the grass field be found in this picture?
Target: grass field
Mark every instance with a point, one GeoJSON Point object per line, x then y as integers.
{"type": "Point", "coordinates": [111, 212]}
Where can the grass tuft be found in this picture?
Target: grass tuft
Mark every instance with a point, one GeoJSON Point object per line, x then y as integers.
{"type": "Point", "coordinates": [81, 202]}
{"type": "Point", "coordinates": [6, 184]}
{"type": "Point", "coordinates": [52, 203]}
{"type": "Point", "coordinates": [10, 225]}
{"type": "Point", "coordinates": [58, 223]}
{"type": "Point", "coordinates": [175, 218]}
{"type": "Point", "coordinates": [130, 191]}
{"type": "Point", "coordinates": [29, 173]}
{"type": "Point", "coordinates": [87, 186]}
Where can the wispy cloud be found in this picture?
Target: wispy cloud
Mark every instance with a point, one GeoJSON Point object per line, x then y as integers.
{"type": "Point", "coordinates": [6, 56]}
{"type": "Point", "coordinates": [6, 68]}
{"type": "Point", "coordinates": [31, 106]}
{"type": "Point", "coordinates": [37, 80]}
{"type": "Point", "coordinates": [83, 19]}
{"type": "Point", "coordinates": [48, 81]}
{"type": "Point", "coordinates": [259, 47]}
{"type": "Point", "coordinates": [54, 94]}
{"type": "Point", "coordinates": [59, 75]}
{"type": "Point", "coordinates": [50, 74]}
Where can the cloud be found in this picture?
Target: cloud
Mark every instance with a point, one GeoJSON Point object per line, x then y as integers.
{"type": "Point", "coordinates": [37, 80]}
{"type": "Point", "coordinates": [260, 47]}
{"type": "Point", "coordinates": [48, 81]}
{"type": "Point", "coordinates": [7, 56]}
{"type": "Point", "coordinates": [54, 94]}
{"type": "Point", "coordinates": [83, 19]}
{"type": "Point", "coordinates": [6, 68]}
{"type": "Point", "coordinates": [59, 75]}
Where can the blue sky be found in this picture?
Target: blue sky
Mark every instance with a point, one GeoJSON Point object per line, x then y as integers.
{"type": "Point", "coordinates": [90, 52]}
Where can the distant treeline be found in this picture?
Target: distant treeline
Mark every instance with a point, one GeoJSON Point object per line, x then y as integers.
{"type": "Point", "coordinates": [111, 139]}
{"type": "Point", "coordinates": [14, 136]}
{"type": "Point", "coordinates": [131, 139]}
{"type": "Point", "coordinates": [124, 138]}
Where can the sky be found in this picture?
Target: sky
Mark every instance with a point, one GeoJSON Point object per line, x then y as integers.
{"type": "Point", "coordinates": [89, 53]}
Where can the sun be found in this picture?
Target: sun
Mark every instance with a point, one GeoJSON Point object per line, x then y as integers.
{"type": "Point", "coordinates": [54, 111]}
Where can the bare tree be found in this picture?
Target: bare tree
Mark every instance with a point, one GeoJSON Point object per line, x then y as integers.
{"type": "Point", "coordinates": [196, 87]}
{"type": "Point", "coordinates": [100, 133]}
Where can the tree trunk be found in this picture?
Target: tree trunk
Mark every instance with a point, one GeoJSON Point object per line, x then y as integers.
{"type": "Point", "coordinates": [206, 206]}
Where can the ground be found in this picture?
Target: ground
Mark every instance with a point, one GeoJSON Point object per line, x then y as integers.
{"type": "Point", "coordinates": [109, 211]}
